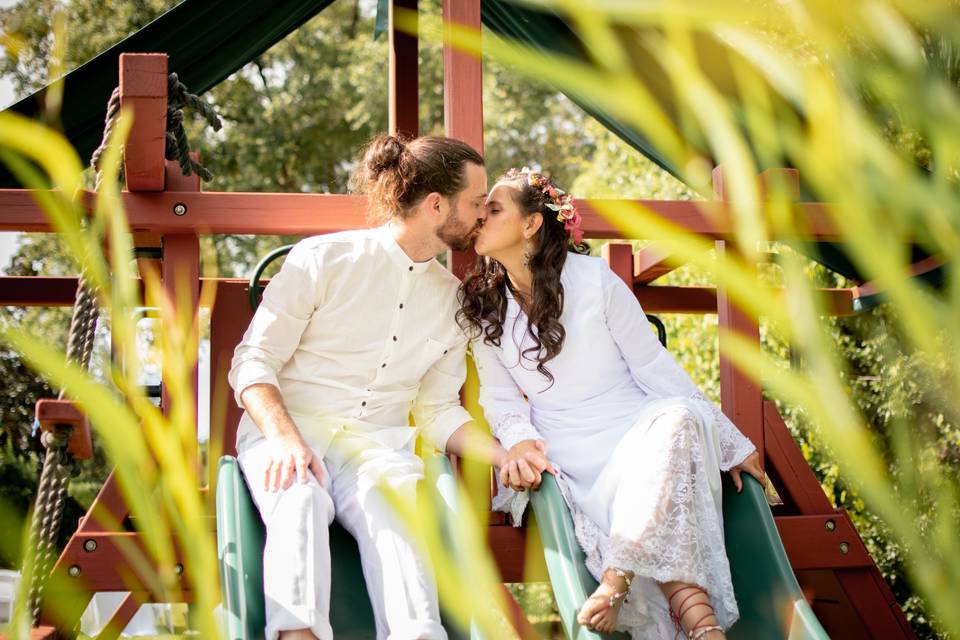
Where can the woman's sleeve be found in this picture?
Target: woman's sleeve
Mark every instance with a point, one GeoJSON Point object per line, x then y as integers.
{"type": "Point", "coordinates": [656, 371]}
{"type": "Point", "coordinates": [508, 414]}
{"type": "Point", "coordinates": [504, 407]}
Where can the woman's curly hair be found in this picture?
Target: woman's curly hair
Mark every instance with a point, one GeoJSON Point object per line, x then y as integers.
{"type": "Point", "coordinates": [483, 293]}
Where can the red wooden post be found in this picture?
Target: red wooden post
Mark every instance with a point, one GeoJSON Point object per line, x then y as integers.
{"type": "Point", "coordinates": [462, 98]}
{"type": "Point", "coordinates": [181, 264]}
{"type": "Point", "coordinates": [619, 256]}
{"type": "Point", "coordinates": [740, 395]}
{"type": "Point", "coordinates": [404, 83]}
{"type": "Point", "coordinates": [462, 78]}
{"type": "Point", "coordinates": [143, 87]}
{"type": "Point", "coordinates": [229, 318]}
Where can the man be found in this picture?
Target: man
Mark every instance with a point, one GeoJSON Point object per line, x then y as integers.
{"type": "Point", "coordinates": [354, 333]}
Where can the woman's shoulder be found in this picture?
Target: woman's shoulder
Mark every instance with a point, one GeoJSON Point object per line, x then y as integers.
{"type": "Point", "coordinates": [581, 268]}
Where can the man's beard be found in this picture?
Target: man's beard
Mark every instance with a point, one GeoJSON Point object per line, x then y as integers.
{"type": "Point", "coordinates": [455, 234]}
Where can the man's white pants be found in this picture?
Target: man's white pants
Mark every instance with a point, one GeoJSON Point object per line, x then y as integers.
{"type": "Point", "coordinates": [296, 558]}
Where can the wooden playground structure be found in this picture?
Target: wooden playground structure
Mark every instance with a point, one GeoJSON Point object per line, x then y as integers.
{"type": "Point", "coordinates": [168, 211]}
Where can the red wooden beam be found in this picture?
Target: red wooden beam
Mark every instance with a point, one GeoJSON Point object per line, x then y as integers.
{"type": "Point", "coordinates": [99, 562]}
{"type": "Point", "coordinates": [404, 74]}
{"type": "Point", "coordinates": [918, 268]}
{"type": "Point", "coordinates": [650, 263]}
{"type": "Point", "coordinates": [122, 616]}
{"type": "Point", "coordinates": [825, 541]}
{"type": "Point", "coordinates": [60, 291]}
{"type": "Point", "coordinates": [143, 88]}
{"type": "Point", "coordinates": [311, 213]}
{"type": "Point", "coordinates": [793, 479]}
{"type": "Point", "coordinates": [875, 604]}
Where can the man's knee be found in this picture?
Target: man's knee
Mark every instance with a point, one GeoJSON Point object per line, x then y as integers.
{"type": "Point", "coordinates": [301, 504]}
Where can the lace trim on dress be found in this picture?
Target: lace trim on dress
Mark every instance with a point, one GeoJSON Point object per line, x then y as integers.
{"type": "Point", "coordinates": [512, 428]}
{"type": "Point", "coordinates": [734, 446]}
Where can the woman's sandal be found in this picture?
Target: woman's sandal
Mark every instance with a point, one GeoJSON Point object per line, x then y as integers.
{"type": "Point", "coordinates": [697, 632]}
{"type": "Point", "coordinates": [611, 608]}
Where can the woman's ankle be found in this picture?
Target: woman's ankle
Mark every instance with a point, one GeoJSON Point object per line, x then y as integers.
{"type": "Point", "coordinates": [619, 579]}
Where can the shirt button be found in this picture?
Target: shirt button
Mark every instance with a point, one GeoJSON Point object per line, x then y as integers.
{"type": "Point", "coordinates": [383, 365]}
{"type": "Point", "coordinates": [394, 338]}
{"type": "Point", "coordinates": [363, 404]}
{"type": "Point", "coordinates": [411, 268]}
{"type": "Point", "coordinates": [401, 305]}
{"type": "Point", "coordinates": [445, 351]}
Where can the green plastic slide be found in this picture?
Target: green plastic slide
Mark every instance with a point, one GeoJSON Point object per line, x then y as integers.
{"type": "Point", "coordinates": [240, 539]}
{"type": "Point", "coordinates": [771, 603]}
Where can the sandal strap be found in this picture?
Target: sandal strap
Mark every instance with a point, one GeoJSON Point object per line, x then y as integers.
{"type": "Point", "coordinates": [681, 611]}
{"type": "Point", "coordinates": [678, 612]}
{"type": "Point", "coordinates": [681, 590]}
{"type": "Point", "coordinates": [699, 633]}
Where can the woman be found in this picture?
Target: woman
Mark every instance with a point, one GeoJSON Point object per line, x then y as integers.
{"type": "Point", "coordinates": [637, 449]}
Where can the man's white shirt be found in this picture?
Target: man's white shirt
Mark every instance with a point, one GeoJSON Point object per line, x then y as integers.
{"type": "Point", "coordinates": [358, 337]}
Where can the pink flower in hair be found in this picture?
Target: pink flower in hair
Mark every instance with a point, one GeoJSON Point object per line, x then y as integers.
{"type": "Point", "coordinates": [560, 201]}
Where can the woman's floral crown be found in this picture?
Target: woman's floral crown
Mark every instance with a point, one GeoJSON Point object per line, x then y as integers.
{"type": "Point", "coordinates": [557, 200]}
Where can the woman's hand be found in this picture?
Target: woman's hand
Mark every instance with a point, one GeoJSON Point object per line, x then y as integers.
{"type": "Point", "coordinates": [524, 465]}
{"type": "Point", "coordinates": [752, 466]}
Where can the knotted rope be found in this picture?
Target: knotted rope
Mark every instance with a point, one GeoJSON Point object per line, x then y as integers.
{"type": "Point", "coordinates": [58, 463]}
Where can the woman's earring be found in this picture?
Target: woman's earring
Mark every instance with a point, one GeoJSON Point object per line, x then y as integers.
{"type": "Point", "coordinates": [527, 255]}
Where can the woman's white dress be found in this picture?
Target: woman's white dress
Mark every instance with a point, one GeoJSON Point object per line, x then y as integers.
{"type": "Point", "coordinates": [638, 447]}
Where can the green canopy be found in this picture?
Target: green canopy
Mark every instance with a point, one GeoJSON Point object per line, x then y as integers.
{"type": "Point", "coordinates": [549, 32]}
{"type": "Point", "coordinates": [206, 41]}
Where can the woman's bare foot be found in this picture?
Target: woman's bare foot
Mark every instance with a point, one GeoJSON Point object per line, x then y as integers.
{"type": "Point", "coordinates": [691, 610]}
{"type": "Point", "coordinates": [600, 611]}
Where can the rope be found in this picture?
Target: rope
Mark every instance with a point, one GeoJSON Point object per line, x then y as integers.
{"type": "Point", "coordinates": [58, 464]}
{"type": "Point", "coordinates": [177, 145]}
{"type": "Point", "coordinates": [113, 110]}
{"type": "Point", "coordinates": [83, 325]}
{"type": "Point", "coordinates": [48, 513]}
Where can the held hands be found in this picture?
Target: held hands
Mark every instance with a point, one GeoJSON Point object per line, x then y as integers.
{"type": "Point", "coordinates": [752, 466]}
{"type": "Point", "coordinates": [290, 458]}
{"type": "Point", "coordinates": [524, 464]}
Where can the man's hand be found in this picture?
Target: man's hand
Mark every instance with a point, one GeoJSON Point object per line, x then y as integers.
{"type": "Point", "coordinates": [524, 465]}
{"type": "Point", "coordinates": [290, 457]}
{"type": "Point", "coordinates": [289, 454]}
